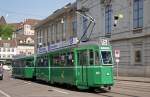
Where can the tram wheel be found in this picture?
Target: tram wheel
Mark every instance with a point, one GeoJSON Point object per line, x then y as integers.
{"type": "Point", "coordinates": [109, 88]}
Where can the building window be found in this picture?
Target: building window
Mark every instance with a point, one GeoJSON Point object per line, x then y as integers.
{"type": "Point", "coordinates": [8, 56]}
{"type": "Point", "coordinates": [12, 49]}
{"type": "Point", "coordinates": [52, 35]}
{"type": "Point", "coordinates": [137, 13]}
{"type": "Point", "coordinates": [8, 50]}
{"type": "Point", "coordinates": [108, 19]}
{"type": "Point", "coordinates": [138, 56]}
{"type": "Point", "coordinates": [4, 49]}
{"type": "Point", "coordinates": [4, 56]}
{"type": "Point", "coordinates": [138, 53]}
{"type": "Point", "coordinates": [47, 36]}
{"type": "Point", "coordinates": [6, 44]}
{"type": "Point", "coordinates": [85, 21]}
{"type": "Point", "coordinates": [55, 32]}
{"type": "Point", "coordinates": [41, 36]}
{"type": "Point", "coordinates": [29, 53]}
{"type": "Point", "coordinates": [74, 26]}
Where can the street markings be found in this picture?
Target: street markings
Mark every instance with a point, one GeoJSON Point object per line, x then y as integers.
{"type": "Point", "coordinates": [60, 91]}
{"type": "Point", "coordinates": [27, 83]}
{"type": "Point", "coordinates": [5, 94]}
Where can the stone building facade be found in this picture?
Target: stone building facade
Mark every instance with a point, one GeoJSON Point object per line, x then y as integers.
{"type": "Point", "coordinates": [127, 24]}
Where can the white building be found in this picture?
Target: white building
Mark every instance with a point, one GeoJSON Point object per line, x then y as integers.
{"type": "Point", "coordinates": [7, 50]}
{"type": "Point", "coordinates": [25, 44]}
{"type": "Point", "coordinates": [130, 34]}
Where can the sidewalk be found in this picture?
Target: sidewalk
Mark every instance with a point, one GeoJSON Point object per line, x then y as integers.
{"type": "Point", "coordinates": [134, 79]}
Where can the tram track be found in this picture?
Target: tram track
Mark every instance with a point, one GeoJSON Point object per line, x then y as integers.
{"type": "Point", "coordinates": [130, 89]}
{"type": "Point", "coordinates": [134, 87]}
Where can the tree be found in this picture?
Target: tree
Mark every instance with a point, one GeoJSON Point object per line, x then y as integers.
{"type": "Point", "coordinates": [6, 31]}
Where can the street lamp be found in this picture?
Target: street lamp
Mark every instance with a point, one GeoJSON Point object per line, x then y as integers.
{"type": "Point", "coordinates": [117, 18]}
{"type": "Point", "coordinates": [62, 21]}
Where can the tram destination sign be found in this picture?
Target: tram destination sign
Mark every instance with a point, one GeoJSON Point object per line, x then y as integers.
{"type": "Point", "coordinates": [59, 45]}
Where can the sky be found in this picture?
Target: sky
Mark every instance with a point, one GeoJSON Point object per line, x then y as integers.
{"type": "Point", "coordinates": [18, 10]}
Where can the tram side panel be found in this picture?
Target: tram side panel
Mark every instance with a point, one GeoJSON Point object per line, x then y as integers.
{"type": "Point", "coordinates": [42, 68]}
{"type": "Point", "coordinates": [62, 67]}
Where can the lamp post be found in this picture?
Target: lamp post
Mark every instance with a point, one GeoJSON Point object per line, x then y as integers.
{"type": "Point", "coordinates": [117, 52]}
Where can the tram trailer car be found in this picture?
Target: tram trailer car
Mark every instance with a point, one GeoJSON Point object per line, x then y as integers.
{"type": "Point", "coordinates": [24, 67]}
{"type": "Point", "coordinates": [86, 66]}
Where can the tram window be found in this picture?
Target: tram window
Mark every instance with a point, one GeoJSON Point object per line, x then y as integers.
{"type": "Point", "coordinates": [45, 61]}
{"type": "Point", "coordinates": [91, 57]}
{"type": "Point", "coordinates": [22, 63]}
{"type": "Point", "coordinates": [82, 57]}
{"type": "Point", "coordinates": [38, 62]}
{"type": "Point", "coordinates": [63, 59]}
{"type": "Point", "coordinates": [29, 63]}
{"type": "Point", "coordinates": [97, 58]}
{"type": "Point", "coordinates": [106, 57]}
{"type": "Point", "coordinates": [70, 60]}
{"type": "Point", "coordinates": [56, 60]}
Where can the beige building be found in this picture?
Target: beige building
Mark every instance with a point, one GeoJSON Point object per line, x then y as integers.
{"type": "Point", "coordinates": [59, 27]}
{"type": "Point", "coordinates": [128, 24]}
{"type": "Point", "coordinates": [24, 36]}
{"type": "Point", "coordinates": [26, 27]}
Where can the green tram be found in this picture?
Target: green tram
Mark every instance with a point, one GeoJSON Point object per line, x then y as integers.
{"type": "Point", "coordinates": [84, 66]}
{"type": "Point", "coordinates": [24, 67]}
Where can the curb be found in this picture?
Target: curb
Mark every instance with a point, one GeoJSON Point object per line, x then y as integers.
{"type": "Point", "coordinates": [133, 80]}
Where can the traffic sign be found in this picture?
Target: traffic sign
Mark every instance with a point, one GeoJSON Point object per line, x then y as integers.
{"type": "Point", "coordinates": [117, 60]}
{"type": "Point", "coordinates": [117, 53]}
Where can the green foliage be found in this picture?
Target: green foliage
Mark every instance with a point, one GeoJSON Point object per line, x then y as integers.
{"type": "Point", "coordinates": [6, 31]}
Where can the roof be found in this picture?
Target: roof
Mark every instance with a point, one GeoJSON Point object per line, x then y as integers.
{"type": "Point", "coordinates": [20, 25]}
{"type": "Point", "coordinates": [56, 13]}
{"type": "Point", "coordinates": [2, 20]}
{"type": "Point", "coordinates": [10, 43]}
{"type": "Point", "coordinates": [31, 22]}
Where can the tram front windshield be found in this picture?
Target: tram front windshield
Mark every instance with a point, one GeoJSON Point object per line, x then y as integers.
{"type": "Point", "coordinates": [106, 57]}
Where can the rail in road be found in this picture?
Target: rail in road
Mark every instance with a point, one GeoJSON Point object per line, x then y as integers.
{"type": "Point", "coordinates": [10, 87]}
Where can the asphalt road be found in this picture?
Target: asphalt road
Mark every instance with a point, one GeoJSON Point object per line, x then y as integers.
{"type": "Point", "coordinates": [10, 87]}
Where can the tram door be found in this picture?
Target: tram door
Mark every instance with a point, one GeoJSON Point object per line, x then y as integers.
{"type": "Point", "coordinates": [82, 63]}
